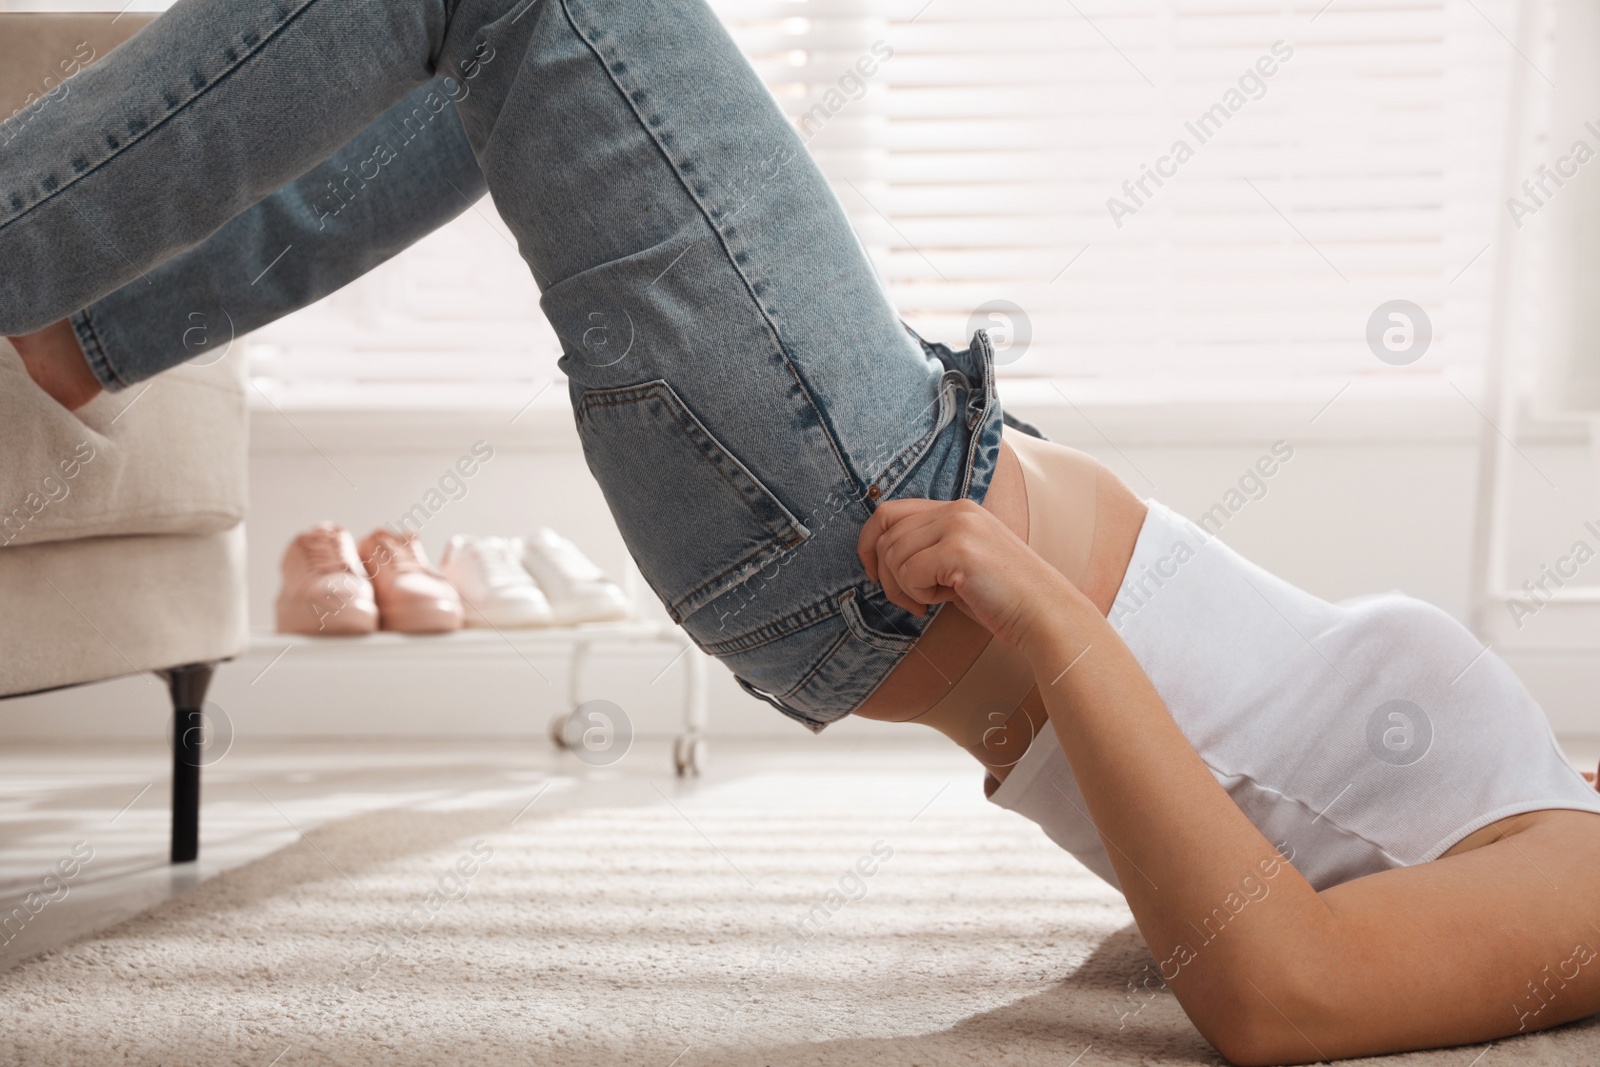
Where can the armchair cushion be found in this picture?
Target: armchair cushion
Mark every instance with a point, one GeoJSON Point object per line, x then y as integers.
{"type": "Point", "coordinates": [165, 457]}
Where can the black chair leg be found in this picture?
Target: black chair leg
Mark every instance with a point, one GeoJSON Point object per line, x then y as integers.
{"type": "Point", "coordinates": [188, 685]}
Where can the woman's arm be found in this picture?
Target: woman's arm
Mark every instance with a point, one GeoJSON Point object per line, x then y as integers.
{"type": "Point", "coordinates": [1236, 931]}
{"type": "Point", "coordinates": [1490, 943]}
{"type": "Point", "coordinates": [1196, 872]}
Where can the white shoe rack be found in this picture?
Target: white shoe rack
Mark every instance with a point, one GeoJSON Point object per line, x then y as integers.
{"type": "Point", "coordinates": [689, 750]}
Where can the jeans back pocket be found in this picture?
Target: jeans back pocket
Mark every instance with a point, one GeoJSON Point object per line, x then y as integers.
{"type": "Point", "coordinates": [696, 519]}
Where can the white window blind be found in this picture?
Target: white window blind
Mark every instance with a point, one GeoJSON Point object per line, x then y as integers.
{"type": "Point", "coordinates": [978, 146]}
{"type": "Point", "coordinates": [1367, 170]}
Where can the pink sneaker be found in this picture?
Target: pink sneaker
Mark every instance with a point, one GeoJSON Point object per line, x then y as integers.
{"type": "Point", "coordinates": [325, 589]}
{"type": "Point", "coordinates": [413, 597]}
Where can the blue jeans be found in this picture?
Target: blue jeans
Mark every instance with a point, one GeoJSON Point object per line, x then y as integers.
{"type": "Point", "coordinates": [743, 389]}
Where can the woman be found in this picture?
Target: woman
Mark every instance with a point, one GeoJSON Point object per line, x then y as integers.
{"type": "Point", "coordinates": [1443, 886]}
{"type": "Point", "coordinates": [799, 478]}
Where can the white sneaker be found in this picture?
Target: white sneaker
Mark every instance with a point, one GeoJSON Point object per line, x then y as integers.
{"type": "Point", "coordinates": [578, 591]}
{"type": "Point", "coordinates": [495, 589]}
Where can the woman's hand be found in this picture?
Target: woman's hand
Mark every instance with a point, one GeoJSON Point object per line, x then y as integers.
{"type": "Point", "coordinates": [932, 552]}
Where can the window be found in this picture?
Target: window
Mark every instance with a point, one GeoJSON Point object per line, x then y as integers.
{"type": "Point", "coordinates": [1134, 188]}
{"type": "Point", "coordinates": [1194, 189]}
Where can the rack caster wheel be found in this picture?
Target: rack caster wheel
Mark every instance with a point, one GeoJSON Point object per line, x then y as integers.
{"type": "Point", "coordinates": [558, 730]}
{"type": "Point", "coordinates": [689, 755]}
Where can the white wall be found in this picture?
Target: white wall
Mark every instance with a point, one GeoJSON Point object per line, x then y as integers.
{"type": "Point", "coordinates": [1377, 496]}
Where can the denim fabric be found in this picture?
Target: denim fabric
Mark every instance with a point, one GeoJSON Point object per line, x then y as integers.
{"type": "Point", "coordinates": [335, 224]}
{"type": "Point", "coordinates": [742, 388]}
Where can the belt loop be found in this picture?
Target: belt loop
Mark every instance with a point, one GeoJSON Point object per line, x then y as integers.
{"type": "Point", "coordinates": [850, 609]}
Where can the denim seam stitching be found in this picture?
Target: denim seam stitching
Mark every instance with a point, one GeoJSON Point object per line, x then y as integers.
{"type": "Point", "coordinates": [776, 631]}
{"type": "Point", "coordinates": [902, 464]}
{"type": "Point", "coordinates": [857, 625]}
{"type": "Point", "coordinates": [805, 618]}
{"type": "Point", "coordinates": [990, 399]}
{"type": "Point", "coordinates": [798, 715]}
{"type": "Point", "coordinates": [822, 661]}
{"type": "Point", "coordinates": [680, 615]}
{"type": "Point", "coordinates": [794, 536]}
{"type": "Point", "coordinates": [796, 532]}
{"type": "Point", "coordinates": [94, 350]}
{"type": "Point", "coordinates": [829, 431]}
{"type": "Point", "coordinates": [163, 120]}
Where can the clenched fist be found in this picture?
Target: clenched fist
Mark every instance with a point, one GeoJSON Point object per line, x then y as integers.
{"type": "Point", "coordinates": [932, 552]}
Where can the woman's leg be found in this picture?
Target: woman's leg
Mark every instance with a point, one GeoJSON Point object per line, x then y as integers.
{"type": "Point", "coordinates": [344, 217]}
{"type": "Point", "coordinates": [205, 112]}
{"type": "Point", "coordinates": [745, 394]}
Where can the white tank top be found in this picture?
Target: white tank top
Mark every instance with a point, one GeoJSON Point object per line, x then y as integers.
{"type": "Point", "coordinates": [1358, 737]}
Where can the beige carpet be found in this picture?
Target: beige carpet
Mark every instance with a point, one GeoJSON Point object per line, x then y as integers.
{"type": "Point", "coordinates": [655, 935]}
